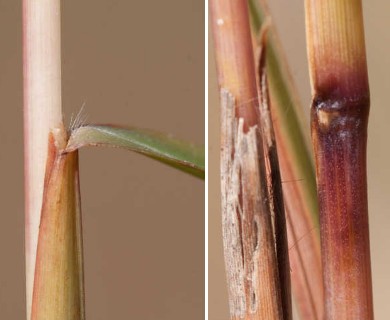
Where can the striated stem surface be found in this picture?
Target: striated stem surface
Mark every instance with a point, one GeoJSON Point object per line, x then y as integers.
{"type": "Point", "coordinates": [339, 131]}
{"type": "Point", "coordinates": [339, 117]}
{"type": "Point", "coordinates": [274, 185]}
{"type": "Point", "coordinates": [249, 244]}
{"type": "Point", "coordinates": [234, 56]}
{"type": "Point", "coordinates": [297, 171]}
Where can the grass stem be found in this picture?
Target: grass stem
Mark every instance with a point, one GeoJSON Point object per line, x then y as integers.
{"type": "Point", "coordinates": [249, 243]}
{"type": "Point", "coordinates": [297, 171]}
{"type": "Point", "coordinates": [42, 112]}
{"type": "Point", "coordinates": [274, 184]}
{"type": "Point", "coordinates": [54, 276]}
{"type": "Point", "coordinates": [339, 117]}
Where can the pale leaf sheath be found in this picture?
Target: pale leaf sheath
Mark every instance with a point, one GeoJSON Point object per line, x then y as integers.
{"type": "Point", "coordinates": [58, 283]}
{"type": "Point", "coordinates": [249, 247]}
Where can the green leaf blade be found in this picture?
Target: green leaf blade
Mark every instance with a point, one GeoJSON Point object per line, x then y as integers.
{"type": "Point", "coordinates": [162, 147]}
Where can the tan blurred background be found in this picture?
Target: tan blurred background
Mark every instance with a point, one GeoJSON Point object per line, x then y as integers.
{"type": "Point", "coordinates": [288, 16]}
{"type": "Point", "coordinates": [131, 62]}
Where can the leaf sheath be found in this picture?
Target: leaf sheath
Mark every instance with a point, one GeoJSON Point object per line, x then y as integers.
{"type": "Point", "coordinates": [58, 283]}
{"type": "Point", "coordinates": [297, 171]}
{"type": "Point", "coordinates": [274, 185]}
{"type": "Point", "coordinates": [249, 244]}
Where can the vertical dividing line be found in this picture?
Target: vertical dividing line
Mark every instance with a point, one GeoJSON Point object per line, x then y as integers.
{"type": "Point", "coordinates": [206, 144]}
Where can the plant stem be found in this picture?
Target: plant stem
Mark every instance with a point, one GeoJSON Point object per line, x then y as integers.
{"type": "Point", "coordinates": [249, 244]}
{"type": "Point", "coordinates": [297, 172]}
{"type": "Point", "coordinates": [339, 114]}
{"type": "Point", "coordinates": [274, 184]}
{"type": "Point", "coordinates": [42, 112]}
{"type": "Point", "coordinates": [54, 275]}
{"type": "Point", "coordinates": [58, 284]}
{"type": "Point", "coordinates": [234, 56]}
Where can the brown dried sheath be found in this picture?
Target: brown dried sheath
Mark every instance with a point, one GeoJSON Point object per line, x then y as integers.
{"type": "Point", "coordinates": [249, 246]}
{"type": "Point", "coordinates": [298, 177]}
{"type": "Point", "coordinates": [274, 184]}
{"type": "Point", "coordinates": [58, 283]}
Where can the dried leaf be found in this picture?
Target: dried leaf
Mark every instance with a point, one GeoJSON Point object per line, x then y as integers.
{"type": "Point", "coordinates": [249, 244]}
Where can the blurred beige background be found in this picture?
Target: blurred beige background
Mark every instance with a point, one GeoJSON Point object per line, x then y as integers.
{"type": "Point", "coordinates": [288, 16]}
{"type": "Point", "coordinates": [135, 63]}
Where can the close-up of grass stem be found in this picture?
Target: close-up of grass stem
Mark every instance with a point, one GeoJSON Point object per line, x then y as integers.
{"type": "Point", "coordinates": [339, 116]}
{"type": "Point", "coordinates": [53, 227]}
{"type": "Point", "coordinates": [327, 258]}
{"type": "Point", "coordinates": [217, 159]}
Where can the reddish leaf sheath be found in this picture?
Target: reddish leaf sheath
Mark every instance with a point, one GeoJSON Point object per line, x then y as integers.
{"type": "Point", "coordinates": [58, 291]}
{"type": "Point", "coordinates": [339, 132]}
